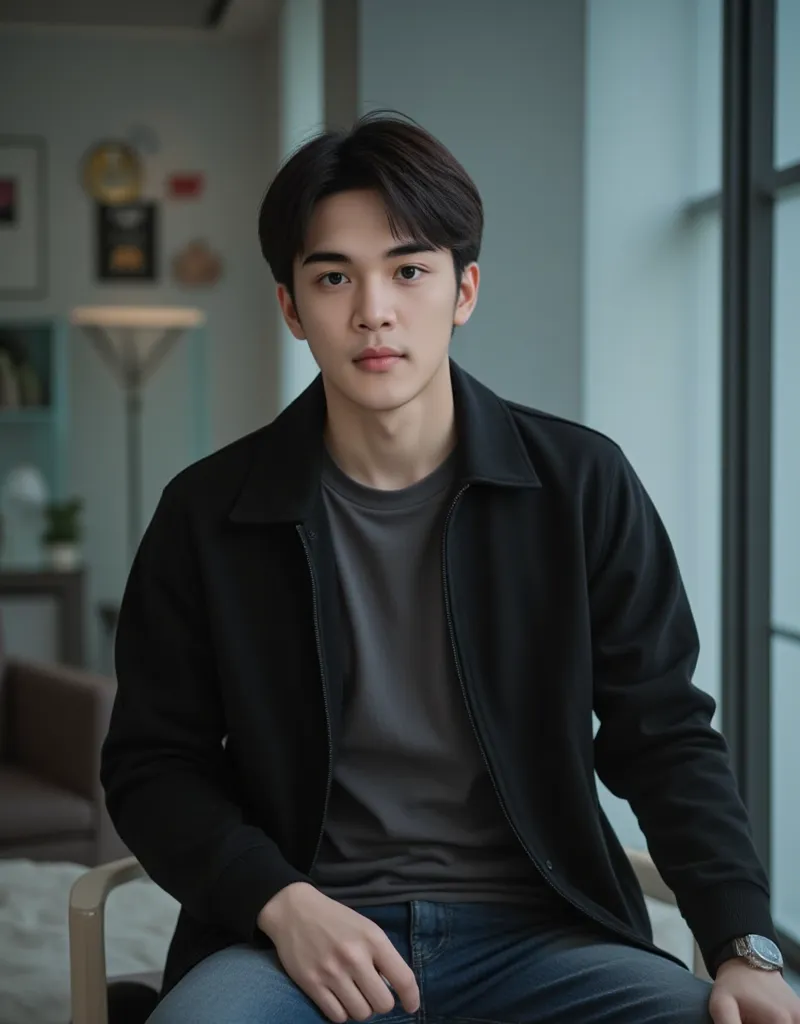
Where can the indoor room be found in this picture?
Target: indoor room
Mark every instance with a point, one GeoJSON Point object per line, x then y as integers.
{"type": "Point", "coordinates": [638, 163]}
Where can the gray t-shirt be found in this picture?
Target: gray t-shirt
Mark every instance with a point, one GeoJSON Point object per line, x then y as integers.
{"type": "Point", "coordinates": [412, 813]}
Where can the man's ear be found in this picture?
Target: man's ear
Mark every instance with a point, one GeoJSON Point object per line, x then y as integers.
{"type": "Point", "coordinates": [467, 294]}
{"type": "Point", "coordinates": [289, 311]}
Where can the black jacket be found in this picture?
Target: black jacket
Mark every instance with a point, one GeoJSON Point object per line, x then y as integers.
{"type": "Point", "coordinates": [563, 597]}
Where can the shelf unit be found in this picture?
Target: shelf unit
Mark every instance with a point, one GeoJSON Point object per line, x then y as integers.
{"type": "Point", "coordinates": [37, 434]}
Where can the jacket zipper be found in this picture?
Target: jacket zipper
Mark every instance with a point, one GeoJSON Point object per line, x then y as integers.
{"type": "Point", "coordinates": [317, 636]}
{"type": "Point", "coordinates": [460, 675]}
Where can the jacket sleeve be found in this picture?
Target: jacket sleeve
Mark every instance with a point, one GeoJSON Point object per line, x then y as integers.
{"type": "Point", "coordinates": [169, 790]}
{"type": "Point", "coordinates": [655, 746]}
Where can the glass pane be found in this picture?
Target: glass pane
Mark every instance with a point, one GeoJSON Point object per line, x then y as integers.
{"type": "Point", "coordinates": [787, 83]}
{"type": "Point", "coordinates": [786, 566]}
{"type": "Point", "coordinates": [652, 338]}
{"type": "Point", "coordinates": [786, 417]}
{"type": "Point", "coordinates": [785, 773]}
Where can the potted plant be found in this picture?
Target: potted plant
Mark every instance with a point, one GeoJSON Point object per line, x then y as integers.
{"type": "Point", "coordinates": [63, 533]}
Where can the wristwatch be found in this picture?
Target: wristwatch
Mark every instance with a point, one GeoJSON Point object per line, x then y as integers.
{"type": "Point", "coordinates": [756, 950]}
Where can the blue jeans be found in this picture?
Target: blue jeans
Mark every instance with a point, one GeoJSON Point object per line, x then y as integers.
{"type": "Point", "coordinates": [475, 963]}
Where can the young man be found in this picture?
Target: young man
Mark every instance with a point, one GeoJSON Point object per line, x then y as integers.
{"type": "Point", "coordinates": [358, 657]}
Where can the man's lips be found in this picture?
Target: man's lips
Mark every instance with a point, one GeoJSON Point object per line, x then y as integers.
{"type": "Point", "coordinates": [378, 353]}
{"type": "Point", "coordinates": [378, 360]}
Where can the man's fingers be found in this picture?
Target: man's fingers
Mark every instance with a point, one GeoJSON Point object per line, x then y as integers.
{"type": "Point", "coordinates": [375, 989]}
{"type": "Point", "coordinates": [724, 1010]}
{"type": "Point", "coordinates": [399, 975]}
{"type": "Point", "coordinates": [352, 999]}
{"type": "Point", "coordinates": [331, 1007]}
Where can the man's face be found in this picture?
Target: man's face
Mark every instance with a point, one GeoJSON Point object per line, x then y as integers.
{"type": "Point", "coordinates": [377, 316]}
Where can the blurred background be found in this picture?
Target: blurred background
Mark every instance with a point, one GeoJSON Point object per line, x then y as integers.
{"type": "Point", "coordinates": [639, 161]}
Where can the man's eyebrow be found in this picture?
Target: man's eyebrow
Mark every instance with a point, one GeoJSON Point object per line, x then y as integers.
{"type": "Point", "coordinates": [406, 249]}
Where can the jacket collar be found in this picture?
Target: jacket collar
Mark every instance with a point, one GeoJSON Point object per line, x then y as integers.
{"type": "Point", "coordinates": [283, 482]}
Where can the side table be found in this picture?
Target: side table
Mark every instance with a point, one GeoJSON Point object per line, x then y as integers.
{"type": "Point", "coordinates": [67, 588]}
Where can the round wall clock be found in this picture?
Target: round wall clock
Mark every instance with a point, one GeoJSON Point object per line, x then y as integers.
{"type": "Point", "coordinates": [112, 173]}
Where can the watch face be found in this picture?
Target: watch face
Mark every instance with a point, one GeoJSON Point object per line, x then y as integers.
{"type": "Point", "coordinates": [766, 949]}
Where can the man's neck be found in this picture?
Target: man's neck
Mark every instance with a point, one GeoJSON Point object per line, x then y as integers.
{"type": "Point", "coordinates": [389, 451]}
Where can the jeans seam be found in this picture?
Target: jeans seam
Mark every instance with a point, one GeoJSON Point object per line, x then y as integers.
{"type": "Point", "coordinates": [434, 954]}
{"type": "Point", "coordinates": [421, 1015]}
{"type": "Point", "coordinates": [416, 967]}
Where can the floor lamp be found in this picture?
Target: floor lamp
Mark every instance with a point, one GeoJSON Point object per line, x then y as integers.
{"type": "Point", "coordinates": [133, 341]}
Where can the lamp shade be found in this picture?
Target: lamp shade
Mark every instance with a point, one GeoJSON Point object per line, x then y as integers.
{"type": "Point", "coordinates": [149, 318]}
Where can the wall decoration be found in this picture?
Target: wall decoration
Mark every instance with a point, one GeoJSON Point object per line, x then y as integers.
{"type": "Point", "coordinates": [23, 217]}
{"type": "Point", "coordinates": [186, 185]}
{"type": "Point", "coordinates": [196, 265]}
{"type": "Point", "coordinates": [126, 242]}
{"type": "Point", "coordinates": [112, 173]}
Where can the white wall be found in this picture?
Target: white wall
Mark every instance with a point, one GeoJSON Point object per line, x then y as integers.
{"type": "Point", "coordinates": [651, 331]}
{"type": "Point", "coordinates": [501, 85]}
{"type": "Point", "coordinates": [301, 115]}
{"type": "Point", "coordinates": [211, 105]}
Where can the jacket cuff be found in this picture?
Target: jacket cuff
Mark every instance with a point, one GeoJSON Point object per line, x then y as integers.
{"type": "Point", "coordinates": [246, 885]}
{"type": "Point", "coordinates": [720, 913]}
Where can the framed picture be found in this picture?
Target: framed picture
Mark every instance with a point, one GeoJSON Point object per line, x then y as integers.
{"type": "Point", "coordinates": [23, 217]}
{"type": "Point", "coordinates": [126, 242]}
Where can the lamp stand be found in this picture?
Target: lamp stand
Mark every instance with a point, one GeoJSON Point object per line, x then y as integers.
{"type": "Point", "coordinates": [133, 366]}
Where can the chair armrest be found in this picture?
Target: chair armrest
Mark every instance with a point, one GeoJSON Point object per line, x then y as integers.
{"type": "Point", "coordinates": [56, 720]}
{"type": "Point", "coordinates": [87, 947]}
{"type": "Point", "coordinates": [654, 886]}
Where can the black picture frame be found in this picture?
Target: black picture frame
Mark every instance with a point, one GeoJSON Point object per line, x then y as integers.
{"type": "Point", "coordinates": [126, 242]}
{"type": "Point", "coordinates": [24, 225]}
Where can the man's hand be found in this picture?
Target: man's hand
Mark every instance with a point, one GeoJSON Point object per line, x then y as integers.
{"type": "Point", "coordinates": [338, 957]}
{"type": "Point", "coordinates": [746, 995]}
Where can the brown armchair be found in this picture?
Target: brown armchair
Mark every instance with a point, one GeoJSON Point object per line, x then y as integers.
{"type": "Point", "coordinates": [52, 723]}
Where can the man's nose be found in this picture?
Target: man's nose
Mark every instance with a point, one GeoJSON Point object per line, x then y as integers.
{"type": "Point", "coordinates": [374, 311]}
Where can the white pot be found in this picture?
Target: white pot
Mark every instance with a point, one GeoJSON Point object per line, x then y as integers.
{"type": "Point", "coordinates": [64, 557]}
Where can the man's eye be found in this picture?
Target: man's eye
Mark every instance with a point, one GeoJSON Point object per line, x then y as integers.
{"type": "Point", "coordinates": [333, 277]}
{"type": "Point", "coordinates": [407, 272]}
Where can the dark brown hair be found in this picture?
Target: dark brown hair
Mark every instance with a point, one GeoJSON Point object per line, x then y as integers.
{"type": "Point", "coordinates": [428, 195]}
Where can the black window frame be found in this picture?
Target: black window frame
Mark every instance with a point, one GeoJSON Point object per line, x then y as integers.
{"type": "Point", "coordinates": [751, 186]}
